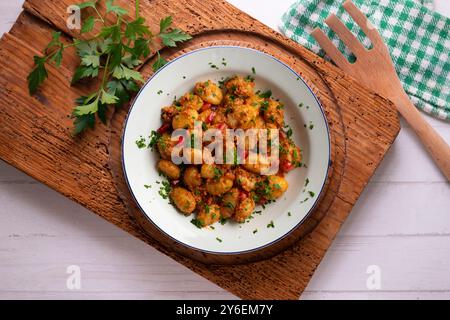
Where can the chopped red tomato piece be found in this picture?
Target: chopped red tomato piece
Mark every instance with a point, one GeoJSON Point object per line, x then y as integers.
{"type": "Point", "coordinates": [287, 166]}
{"type": "Point", "coordinates": [206, 106]}
{"type": "Point", "coordinates": [164, 128]}
{"type": "Point", "coordinates": [211, 117]}
{"type": "Point", "coordinates": [243, 195]}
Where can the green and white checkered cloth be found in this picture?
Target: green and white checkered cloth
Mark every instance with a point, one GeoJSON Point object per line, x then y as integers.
{"type": "Point", "coordinates": [417, 37]}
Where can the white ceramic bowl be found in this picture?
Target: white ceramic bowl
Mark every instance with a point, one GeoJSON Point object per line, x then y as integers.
{"type": "Point", "coordinates": [310, 132]}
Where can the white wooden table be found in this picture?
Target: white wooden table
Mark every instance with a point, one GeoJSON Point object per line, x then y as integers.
{"type": "Point", "coordinates": [401, 224]}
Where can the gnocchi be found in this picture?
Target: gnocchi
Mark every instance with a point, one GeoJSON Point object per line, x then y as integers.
{"type": "Point", "coordinates": [218, 192]}
{"type": "Point", "coordinates": [183, 199]}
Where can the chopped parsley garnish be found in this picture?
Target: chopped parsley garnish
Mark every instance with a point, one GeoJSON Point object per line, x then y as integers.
{"type": "Point", "coordinates": [264, 105]}
{"type": "Point", "coordinates": [154, 138]}
{"type": "Point", "coordinates": [213, 66]}
{"type": "Point", "coordinates": [229, 205]}
{"type": "Point", "coordinates": [271, 225]}
{"type": "Point", "coordinates": [165, 189]}
{"type": "Point", "coordinates": [160, 92]}
{"type": "Point", "coordinates": [289, 132]}
{"type": "Point", "coordinates": [217, 173]}
{"type": "Point", "coordinates": [218, 239]}
{"type": "Point", "coordinates": [255, 231]}
{"type": "Point", "coordinates": [306, 182]}
{"type": "Point", "coordinates": [311, 125]}
{"type": "Point", "coordinates": [312, 194]}
{"type": "Point", "coordinates": [197, 223]}
{"type": "Point", "coordinates": [303, 201]}
{"type": "Point", "coordinates": [300, 105]}
{"type": "Point", "coordinates": [289, 214]}
{"type": "Point", "coordinates": [147, 186]}
{"type": "Point", "coordinates": [266, 95]}
{"type": "Point", "coordinates": [253, 70]}
{"type": "Point", "coordinates": [141, 144]}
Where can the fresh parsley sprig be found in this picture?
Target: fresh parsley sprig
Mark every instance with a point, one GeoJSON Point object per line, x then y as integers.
{"type": "Point", "coordinates": [112, 55]}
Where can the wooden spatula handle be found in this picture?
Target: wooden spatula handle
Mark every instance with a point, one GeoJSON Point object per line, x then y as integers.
{"type": "Point", "coordinates": [435, 144]}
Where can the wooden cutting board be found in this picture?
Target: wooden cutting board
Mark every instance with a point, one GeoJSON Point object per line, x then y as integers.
{"type": "Point", "coordinates": [35, 133]}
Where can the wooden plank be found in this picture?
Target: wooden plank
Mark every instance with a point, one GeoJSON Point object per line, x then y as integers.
{"type": "Point", "coordinates": [68, 165]}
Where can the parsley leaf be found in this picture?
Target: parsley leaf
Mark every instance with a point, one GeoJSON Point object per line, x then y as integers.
{"type": "Point", "coordinates": [171, 38]}
{"type": "Point", "coordinates": [85, 109]}
{"type": "Point", "coordinates": [108, 98]}
{"type": "Point", "coordinates": [122, 72]}
{"type": "Point", "coordinates": [84, 72]}
{"type": "Point", "coordinates": [110, 7]}
{"type": "Point", "coordinates": [266, 95]}
{"type": "Point", "coordinates": [136, 28]}
{"type": "Point", "coordinates": [159, 63]}
{"type": "Point", "coordinates": [141, 48]}
{"type": "Point", "coordinates": [82, 123]}
{"type": "Point", "coordinates": [88, 25]}
{"type": "Point", "coordinates": [38, 75]}
{"type": "Point", "coordinates": [164, 24]}
{"type": "Point", "coordinates": [88, 4]}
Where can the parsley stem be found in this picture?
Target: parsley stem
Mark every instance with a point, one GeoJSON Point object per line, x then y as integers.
{"type": "Point", "coordinates": [106, 73]}
{"type": "Point", "coordinates": [137, 8]}
{"type": "Point", "coordinates": [99, 15]}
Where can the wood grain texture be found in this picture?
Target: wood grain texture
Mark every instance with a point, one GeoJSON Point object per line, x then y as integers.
{"type": "Point", "coordinates": [38, 145]}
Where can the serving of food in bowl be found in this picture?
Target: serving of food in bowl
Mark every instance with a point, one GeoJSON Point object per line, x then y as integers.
{"type": "Point", "coordinates": [225, 190]}
{"type": "Point", "coordinates": [226, 150]}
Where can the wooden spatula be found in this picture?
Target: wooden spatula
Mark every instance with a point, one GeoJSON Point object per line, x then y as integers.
{"type": "Point", "coordinates": [374, 69]}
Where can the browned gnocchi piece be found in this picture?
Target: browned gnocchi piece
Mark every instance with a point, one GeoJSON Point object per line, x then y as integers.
{"type": "Point", "coordinates": [209, 171]}
{"type": "Point", "coordinates": [230, 200]}
{"type": "Point", "coordinates": [185, 119]}
{"type": "Point", "coordinates": [192, 178]}
{"type": "Point", "coordinates": [209, 92]}
{"type": "Point", "coordinates": [193, 156]}
{"type": "Point", "coordinates": [290, 154]}
{"type": "Point", "coordinates": [192, 101]}
{"type": "Point", "coordinates": [183, 199]}
{"type": "Point", "coordinates": [240, 87]}
{"type": "Point", "coordinates": [254, 101]}
{"type": "Point", "coordinates": [208, 214]}
{"type": "Point", "coordinates": [167, 113]}
{"type": "Point", "coordinates": [165, 146]}
{"type": "Point", "coordinates": [244, 210]}
{"type": "Point", "coordinates": [169, 169]}
{"type": "Point", "coordinates": [232, 102]}
{"type": "Point", "coordinates": [261, 166]}
{"type": "Point", "coordinates": [274, 114]}
{"type": "Point", "coordinates": [245, 179]}
{"type": "Point", "coordinates": [217, 187]}
{"type": "Point", "coordinates": [247, 116]}
{"type": "Point", "coordinates": [277, 186]}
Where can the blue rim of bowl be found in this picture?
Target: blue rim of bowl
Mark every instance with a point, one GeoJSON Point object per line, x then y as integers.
{"type": "Point", "coordinates": [235, 253]}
